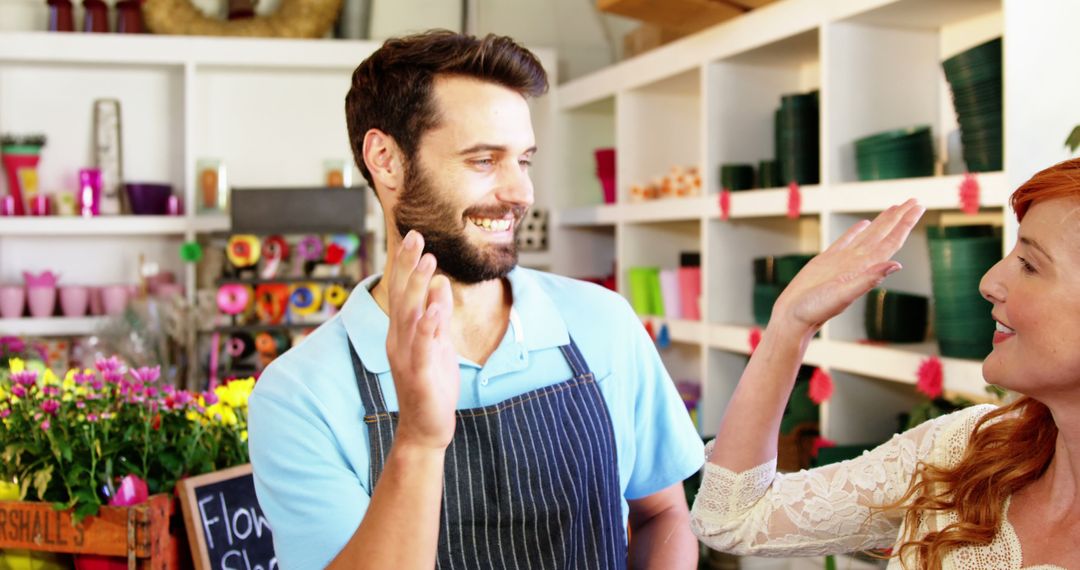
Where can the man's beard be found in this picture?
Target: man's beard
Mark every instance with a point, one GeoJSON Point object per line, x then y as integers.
{"type": "Point", "coordinates": [422, 208]}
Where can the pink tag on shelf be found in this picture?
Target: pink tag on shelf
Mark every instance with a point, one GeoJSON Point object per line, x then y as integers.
{"type": "Point", "coordinates": [794, 201]}
{"type": "Point", "coordinates": [820, 442]}
{"type": "Point", "coordinates": [755, 339]}
{"type": "Point", "coordinates": [969, 194]}
{"type": "Point", "coordinates": [725, 204]}
{"type": "Point", "coordinates": [821, 386]}
{"type": "Point", "coordinates": [930, 379]}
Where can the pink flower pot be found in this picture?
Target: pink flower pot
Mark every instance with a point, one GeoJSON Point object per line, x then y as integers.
{"type": "Point", "coordinates": [166, 290]}
{"type": "Point", "coordinates": [96, 308]}
{"type": "Point", "coordinates": [42, 301]}
{"type": "Point", "coordinates": [12, 301]}
{"type": "Point", "coordinates": [114, 299]}
{"type": "Point", "coordinates": [74, 300]}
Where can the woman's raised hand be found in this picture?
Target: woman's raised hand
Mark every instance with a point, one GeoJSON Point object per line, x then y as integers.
{"type": "Point", "coordinates": [853, 265]}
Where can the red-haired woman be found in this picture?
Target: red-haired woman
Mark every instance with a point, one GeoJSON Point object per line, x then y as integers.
{"type": "Point", "coordinates": [984, 487]}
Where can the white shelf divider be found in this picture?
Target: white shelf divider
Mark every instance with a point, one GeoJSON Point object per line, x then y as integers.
{"type": "Point", "coordinates": [683, 331]}
{"type": "Point", "coordinates": [936, 193]}
{"type": "Point", "coordinates": [155, 50]}
{"type": "Point", "coordinates": [900, 363]}
{"type": "Point", "coordinates": [51, 326]}
{"type": "Point", "coordinates": [603, 215]}
{"type": "Point", "coordinates": [100, 226]}
{"type": "Point", "coordinates": [535, 259]}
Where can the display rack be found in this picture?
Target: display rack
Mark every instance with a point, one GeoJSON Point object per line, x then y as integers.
{"type": "Point", "coordinates": [709, 99]}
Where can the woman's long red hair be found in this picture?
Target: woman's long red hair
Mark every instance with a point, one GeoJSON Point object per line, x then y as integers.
{"type": "Point", "coordinates": [1009, 448]}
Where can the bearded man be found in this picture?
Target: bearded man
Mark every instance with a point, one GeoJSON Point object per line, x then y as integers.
{"type": "Point", "coordinates": [460, 411]}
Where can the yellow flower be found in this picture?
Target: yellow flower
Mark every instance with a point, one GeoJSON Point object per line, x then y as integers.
{"type": "Point", "coordinates": [48, 378]}
{"type": "Point", "coordinates": [69, 381]}
{"type": "Point", "coordinates": [16, 365]}
{"type": "Point", "coordinates": [222, 414]}
{"type": "Point", "coordinates": [3, 394]}
{"type": "Point", "coordinates": [243, 435]}
{"type": "Point", "coordinates": [9, 491]}
{"type": "Point", "coordinates": [235, 394]}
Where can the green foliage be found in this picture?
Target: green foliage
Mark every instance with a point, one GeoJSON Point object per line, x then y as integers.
{"type": "Point", "coordinates": [69, 441]}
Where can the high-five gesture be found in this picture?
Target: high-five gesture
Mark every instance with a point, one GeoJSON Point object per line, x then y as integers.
{"type": "Point", "coordinates": [854, 264]}
{"type": "Point", "coordinates": [849, 268]}
{"type": "Point", "coordinates": [421, 353]}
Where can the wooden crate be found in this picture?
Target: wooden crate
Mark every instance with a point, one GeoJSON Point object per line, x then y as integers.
{"type": "Point", "coordinates": [646, 37]}
{"type": "Point", "coordinates": [676, 15]}
{"type": "Point", "coordinates": [141, 533]}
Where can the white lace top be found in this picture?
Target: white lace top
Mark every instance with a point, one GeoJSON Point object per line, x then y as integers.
{"type": "Point", "coordinates": [827, 510]}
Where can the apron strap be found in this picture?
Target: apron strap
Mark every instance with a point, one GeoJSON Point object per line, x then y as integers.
{"type": "Point", "coordinates": [575, 359]}
{"type": "Point", "coordinates": [367, 382]}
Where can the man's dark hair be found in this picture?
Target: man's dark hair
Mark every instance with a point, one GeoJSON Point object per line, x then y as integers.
{"type": "Point", "coordinates": [392, 89]}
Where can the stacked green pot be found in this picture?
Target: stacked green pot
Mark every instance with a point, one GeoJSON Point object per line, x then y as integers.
{"type": "Point", "coordinates": [901, 153]}
{"type": "Point", "coordinates": [735, 177]}
{"type": "Point", "coordinates": [797, 142]}
{"type": "Point", "coordinates": [771, 274]}
{"type": "Point", "coordinates": [959, 257]}
{"type": "Point", "coordinates": [769, 174]}
{"type": "Point", "coordinates": [975, 79]}
{"type": "Point", "coordinates": [892, 316]}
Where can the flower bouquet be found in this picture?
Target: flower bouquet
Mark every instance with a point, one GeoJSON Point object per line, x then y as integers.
{"type": "Point", "coordinates": [75, 441]}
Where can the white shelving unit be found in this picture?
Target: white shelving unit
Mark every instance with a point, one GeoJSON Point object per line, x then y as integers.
{"type": "Point", "coordinates": [709, 99]}
{"type": "Point", "coordinates": [270, 109]}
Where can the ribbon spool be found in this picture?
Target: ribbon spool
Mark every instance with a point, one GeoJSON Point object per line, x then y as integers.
{"type": "Point", "coordinates": [305, 299]}
{"type": "Point", "coordinates": [265, 344]}
{"type": "Point", "coordinates": [349, 243]}
{"type": "Point", "coordinates": [335, 254]}
{"type": "Point", "coordinates": [268, 346]}
{"type": "Point", "coordinates": [275, 251]}
{"type": "Point", "coordinates": [233, 298]}
{"type": "Point", "coordinates": [243, 250]}
{"type": "Point", "coordinates": [335, 294]}
{"type": "Point", "coordinates": [310, 248]}
{"type": "Point", "coordinates": [240, 346]}
{"type": "Point", "coordinates": [271, 300]}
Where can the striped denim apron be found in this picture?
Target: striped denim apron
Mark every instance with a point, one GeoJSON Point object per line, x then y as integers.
{"type": "Point", "coordinates": [529, 483]}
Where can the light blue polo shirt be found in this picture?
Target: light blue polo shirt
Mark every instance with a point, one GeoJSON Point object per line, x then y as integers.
{"type": "Point", "coordinates": [309, 445]}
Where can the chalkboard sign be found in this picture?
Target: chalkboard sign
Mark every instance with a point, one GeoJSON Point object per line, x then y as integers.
{"type": "Point", "coordinates": [225, 526]}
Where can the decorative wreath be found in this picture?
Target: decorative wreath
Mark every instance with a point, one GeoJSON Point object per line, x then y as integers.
{"type": "Point", "coordinates": [292, 19]}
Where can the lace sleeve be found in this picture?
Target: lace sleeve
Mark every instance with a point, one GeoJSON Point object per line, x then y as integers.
{"type": "Point", "coordinates": [820, 511]}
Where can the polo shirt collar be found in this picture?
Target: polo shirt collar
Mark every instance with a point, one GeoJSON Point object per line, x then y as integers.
{"type": "Point", "coordinates": [535, 321]}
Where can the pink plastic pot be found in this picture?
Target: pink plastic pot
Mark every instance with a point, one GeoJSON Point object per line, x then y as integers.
{"type": "Point", "coordinates": [74, 300]}
{"type": "Point", "coordinates": [114, 299]}
{"type": "Point", "coordinates": [12, 301]}
{"type": "Point", "coordinates": [96, 307]}
{"type": "Point", "coordinates": [42, 300]}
